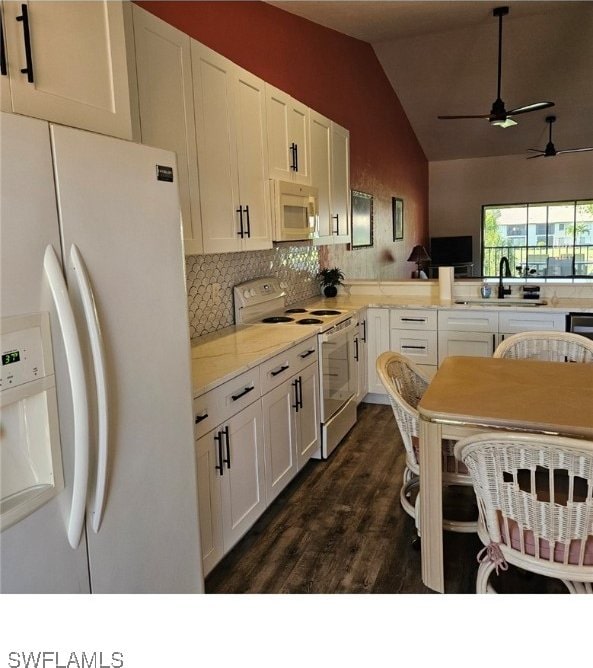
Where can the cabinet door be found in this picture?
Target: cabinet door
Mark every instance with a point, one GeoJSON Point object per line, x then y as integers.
{"type": "Point", "coordinates": [214, 87]}
{"type": "Point", "coordinates": [288, 137]}
{"type": "Point", "coordinates": [474, 344]}
{"type": "Point", "coordinates": [308, 424]}
{"type": "Point", "coordinates": [79, 60]}
{"type": "Point", "coordinates": [280, 437]}
{"type": "Point", "coordinates": [243, 489]}
{"type": "Point", "coordinates": [166, 103]}
{"type": "Point", "coordinates": [363, 361]}
{"type": "Point", "coordinates": [209, 478]}
{"type": "Point", "coordinates": [340, 182]}
{"type": "Point", "coordinates": [252, 159]}
{"type": "Point", "coordinates": [320, 173]}
{"type": "Point", "coordinates": [377, 343]}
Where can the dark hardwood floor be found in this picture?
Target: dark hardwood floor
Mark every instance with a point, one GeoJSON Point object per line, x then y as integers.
{"type": "Point", "coordinates": [339, 528]}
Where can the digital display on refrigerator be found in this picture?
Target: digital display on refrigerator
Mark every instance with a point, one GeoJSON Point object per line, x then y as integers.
{"type": "Point", "coordinates": [11, 357]}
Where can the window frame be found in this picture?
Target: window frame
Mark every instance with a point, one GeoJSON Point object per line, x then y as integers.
{"type": "Point", "coordinates": [511, 250]}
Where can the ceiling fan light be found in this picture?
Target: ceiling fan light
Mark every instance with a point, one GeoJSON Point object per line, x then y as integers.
{"type": "Point", "coordinates": [506, 123]}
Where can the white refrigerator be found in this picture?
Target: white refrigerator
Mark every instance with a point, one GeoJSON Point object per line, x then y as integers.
{"type": "Point", "coordinates": [97, 463]}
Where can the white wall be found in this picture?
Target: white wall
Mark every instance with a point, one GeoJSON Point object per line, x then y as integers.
{"type": "Point", "coordinates": [459, 188]}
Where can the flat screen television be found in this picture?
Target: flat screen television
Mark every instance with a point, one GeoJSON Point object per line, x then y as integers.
{"type": "Point", "coordinates": [449, 251]}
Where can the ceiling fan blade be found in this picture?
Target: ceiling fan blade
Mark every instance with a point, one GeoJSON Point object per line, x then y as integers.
{"type": "Point", "coordinates": [536, 106]}
{"type": "Point", "coordinates": [536, 150]}
{"type": "Point", "coordinates": [539, 155]}
{"type": "Point", "coordinates": [452, 117]}
{"type": "Point", "coordinates": [575, 150]}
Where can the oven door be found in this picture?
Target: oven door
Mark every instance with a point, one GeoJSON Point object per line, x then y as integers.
{"type": "Point", "coordinates": [338, 368]}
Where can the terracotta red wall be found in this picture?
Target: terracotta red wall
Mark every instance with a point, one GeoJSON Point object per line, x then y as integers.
{"type": "Point", "coordinates": [335, 74]}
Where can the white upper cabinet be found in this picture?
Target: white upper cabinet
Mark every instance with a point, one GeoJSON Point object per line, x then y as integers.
{"type": "Point", "coordinates": [288, 137]}
{"type": "Point", "coordinates": [320, 172]}
{"type": "Point", "coordinates": [232, 161]}
{"type": "Point", "coordinates": [340, 182]}
{"type": "Point", "coordinates": [330, 173]}
{"type": "Point", "coordinates": [166, 103]}
{"type": "Point", "coordinates": [70, 63]}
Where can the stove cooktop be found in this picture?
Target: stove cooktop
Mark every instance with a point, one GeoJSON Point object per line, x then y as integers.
{"type": "Point", "coordinates": [262, 302]}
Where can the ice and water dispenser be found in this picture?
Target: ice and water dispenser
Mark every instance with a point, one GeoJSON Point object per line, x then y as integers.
{"type": "Point", "coordinates": [30, 453]}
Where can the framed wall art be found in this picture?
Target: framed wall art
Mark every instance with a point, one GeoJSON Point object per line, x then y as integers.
{"type": "Point", "coordinates": [362, 219]}
{"type": "Point", "coordinates": [397, 211]}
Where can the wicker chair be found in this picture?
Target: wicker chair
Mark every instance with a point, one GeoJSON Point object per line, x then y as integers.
{"type": "Point", "coordinates": [547, 346]}
{"type": "Point", "coordinates": [405, 384]}
{"type": "Point", "coordinates": [535, 499]}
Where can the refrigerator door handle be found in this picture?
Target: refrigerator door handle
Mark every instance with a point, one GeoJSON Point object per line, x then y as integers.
{"type": "Point", "coordinates": [59, 291]}
{"type": "Point", "coordinates": [98, 353]}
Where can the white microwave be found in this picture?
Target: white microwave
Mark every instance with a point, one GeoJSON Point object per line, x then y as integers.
{"type": "Point", "coordinates": [295, 211]}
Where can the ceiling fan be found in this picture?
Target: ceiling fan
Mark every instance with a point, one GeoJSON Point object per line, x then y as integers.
{"type": "Point", "coordinates": [498, 114]}
{"type": "Point", "coordinates": [550, 150]}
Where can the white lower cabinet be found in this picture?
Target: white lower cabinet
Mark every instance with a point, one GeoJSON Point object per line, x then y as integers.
{"type": "Point", "coordinates": [474, 344]}
{"type": "Point", "coordinates": [514, 322]}
{"type": "Point", "coordinates": [249, 446]}
{"type": "Point", "coordinates": [377, 343]}
{"type": "Point", "coordinates": [363, 358]}
{"type": "Point", "coordinates": [467, 333]}
{"type": "Point", "coordinates": [291, 428]}
{"type": "Point", "coordinates": [231, 493]}
{"type": "Point", "coordinates": [280, 449]}
{"type": "Point", "coordinates": [414, 334]}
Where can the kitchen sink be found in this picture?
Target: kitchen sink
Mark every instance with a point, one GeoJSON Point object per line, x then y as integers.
{"type": "Point", "coordinates": [501, 302]}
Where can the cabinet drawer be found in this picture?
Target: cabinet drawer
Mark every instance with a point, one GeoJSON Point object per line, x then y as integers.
{"type": "Point", "coordinates": [468, 321]}
{"type": "Point", "coordinates": [512, 323]}
{"type": "Point", "coordinates": [221, 403]}
{"type": "Point", "coordinates": [280, 367]}
{"type": "Point", "coordinates": [413, 319]}
{"type": "Point", "coordinates": [419, 346]}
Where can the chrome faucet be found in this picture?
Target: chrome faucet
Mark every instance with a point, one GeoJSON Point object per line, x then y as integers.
{"type": "Point", "coordinates": [504, 262]}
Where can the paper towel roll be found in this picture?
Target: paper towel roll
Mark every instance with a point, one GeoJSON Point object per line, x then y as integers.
{"type": "Point", "coordinates": [446, 277]}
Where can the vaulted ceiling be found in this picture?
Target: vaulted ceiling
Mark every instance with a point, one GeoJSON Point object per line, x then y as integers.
{"type": "Point", "coordinates": [441, 59]}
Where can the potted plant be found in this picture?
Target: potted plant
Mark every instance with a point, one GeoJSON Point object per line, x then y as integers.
{"type": "Point", "coordinates": [330, 279]}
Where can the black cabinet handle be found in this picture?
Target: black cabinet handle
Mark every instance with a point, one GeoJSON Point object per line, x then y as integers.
{"type": "Point", "coordinates": [300, 379]}
{"type": "Point", "coordinates": [364, 331]}
{"type": "Point", "coordinates": [295, 384]}
{"type": "Point", "coordinates": [248, 221]}
{"type": "Point", "coordinates": [24, 17]}
{"type": "Point", "coordinates": [280, 370]}
{"type": "Point", "coordinates": [219, 467]}
{"type": "Point", "coordinates": [413, 319]}
{"type": "Point", "coordinates": [199, 418]}
{"type": "Point", "coordinates": [356, 348]}
{"type": "Point", "coordinates": [296, 157]}
{"type": "Point", "coordinates": [234, 397]}
{"type": "Point", "coordinates": [337, 219]}
{"type": "Point", "coordinates": [3, 66]}
{"type": "Point", "coordinates": [306, 354]}
{"type": "Point", "coordinates": [227, 461]}
{"type": "Point", "coordinates": [292, 150]}
{"type": "Point", "coordinates": [240, 212]}
{"type": "Point", "coordinates": [414, 347]}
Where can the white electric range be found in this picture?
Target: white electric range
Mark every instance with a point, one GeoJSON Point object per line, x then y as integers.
{"type": "Point", "coordinates": [262, 302]}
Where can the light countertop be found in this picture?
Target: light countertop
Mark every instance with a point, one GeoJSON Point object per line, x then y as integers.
{"type": "Point", "coordinates": [222, 355]}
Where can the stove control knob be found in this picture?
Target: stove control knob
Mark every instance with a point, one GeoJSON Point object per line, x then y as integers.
{"type": "Point", "coordinates": [252, 292]}
{"type": "Point", "coordinates": [246, 294]}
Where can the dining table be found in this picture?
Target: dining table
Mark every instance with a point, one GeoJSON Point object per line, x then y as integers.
{"type": "Point", "coordinates": [469, 395]}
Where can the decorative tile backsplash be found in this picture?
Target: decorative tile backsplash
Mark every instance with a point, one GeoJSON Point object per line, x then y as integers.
{"type": "Point", "coordinates": [211, 278]}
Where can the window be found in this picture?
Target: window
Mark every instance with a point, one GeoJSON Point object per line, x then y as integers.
{"type": "Point", "coordinates": [550, 239]}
